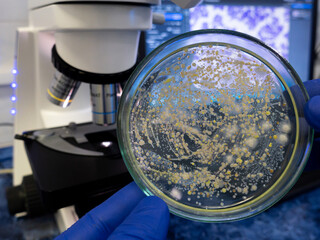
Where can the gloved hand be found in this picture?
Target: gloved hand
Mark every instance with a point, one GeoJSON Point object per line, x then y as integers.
{"type": "Point", "coordinates": [128, 214]}
{"type": "Point", "coordinates": [312, 114]}
{"type": "Point", "coordinates": [312, 108]}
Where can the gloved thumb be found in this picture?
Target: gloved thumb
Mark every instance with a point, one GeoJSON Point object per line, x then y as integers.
{"type": "Point", "coordinates": [312, 112]}
{"type": "Point", "coordinates": [149, 220]}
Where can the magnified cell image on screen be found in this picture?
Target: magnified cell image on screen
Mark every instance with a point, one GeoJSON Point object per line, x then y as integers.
{"type": "Point", "coordinates": [212, 126]}
{"type": "Point", "coordinates": [269, 24]}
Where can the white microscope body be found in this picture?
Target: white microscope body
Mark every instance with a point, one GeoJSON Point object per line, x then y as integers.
{"type": "Point", "coordinates": [97, 37]}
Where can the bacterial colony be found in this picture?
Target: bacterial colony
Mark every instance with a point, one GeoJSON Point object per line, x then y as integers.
{"type": "Point", "coordinates": [212, 126]}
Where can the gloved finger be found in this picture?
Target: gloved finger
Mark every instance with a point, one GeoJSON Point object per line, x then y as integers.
{"type": "Point", "coordinates": [100, 222]}
{"type": "Point", "coordinates": [312, 112]}
{"type": "Point", "coordinates": [148, 221]}
{"type": "Point", "coordinates": [312, 87]}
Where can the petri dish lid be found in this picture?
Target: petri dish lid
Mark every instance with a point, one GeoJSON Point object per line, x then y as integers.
{"type": "Point", "coordinates": [212, 122]}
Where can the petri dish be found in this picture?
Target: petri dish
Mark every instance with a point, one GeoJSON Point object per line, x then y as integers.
{"type": "Point", "coordinates": [212, 122]}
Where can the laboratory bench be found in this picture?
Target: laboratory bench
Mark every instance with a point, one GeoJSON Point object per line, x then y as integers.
{"type": "Point", "coordinates": [295, 218]}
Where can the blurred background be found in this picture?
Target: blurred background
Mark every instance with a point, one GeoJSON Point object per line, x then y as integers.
{"type": "Point", "coordinates": [291, 27]}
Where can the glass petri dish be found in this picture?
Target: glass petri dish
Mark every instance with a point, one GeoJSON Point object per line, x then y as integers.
{"type": "Point", "coordinates": [212, 122]}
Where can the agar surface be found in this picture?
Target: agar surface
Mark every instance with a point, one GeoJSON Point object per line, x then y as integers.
{"type": "Point", "coordinates": [210, 126]}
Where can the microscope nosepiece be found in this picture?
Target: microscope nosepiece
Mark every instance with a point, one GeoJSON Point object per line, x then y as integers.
{"type": "Point", "coordinates": [105, 88]}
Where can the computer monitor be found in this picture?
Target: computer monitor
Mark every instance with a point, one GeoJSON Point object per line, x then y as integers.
{"type": "Point", "coordinates": [288, 26]}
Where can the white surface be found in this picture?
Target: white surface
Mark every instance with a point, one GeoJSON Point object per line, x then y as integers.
{"type": "Point", "coordinates": [13, 14]}
{"type": "Point", "coordinates": [40, 3]}
{"type": "Point", "coordinates": [91, 17]}
{"type": "Point", "coordinates": [108, 52]}
{"type": "Point", "coordinates": [13, 10]}
{"type": "Point", "coordinates": [50, 117]}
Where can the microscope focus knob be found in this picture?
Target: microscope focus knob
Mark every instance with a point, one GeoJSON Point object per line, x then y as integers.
{"type": "Point", "coordinates": [25, 198]}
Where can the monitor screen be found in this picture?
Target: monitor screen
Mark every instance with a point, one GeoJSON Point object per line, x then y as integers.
{"type": "Point", "coordinates": [288, 26]}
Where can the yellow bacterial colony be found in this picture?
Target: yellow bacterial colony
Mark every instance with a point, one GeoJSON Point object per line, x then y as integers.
{"type": "Point", "coordinates": [210, 126]}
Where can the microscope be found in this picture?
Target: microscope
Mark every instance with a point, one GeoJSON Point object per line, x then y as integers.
{"type": "Point", "coordinates": [73, 61]}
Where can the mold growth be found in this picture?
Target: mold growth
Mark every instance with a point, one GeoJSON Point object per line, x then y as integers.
{"type": "Point", "coordinates": [211, 126]}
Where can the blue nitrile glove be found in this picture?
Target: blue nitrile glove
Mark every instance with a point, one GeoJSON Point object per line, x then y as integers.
{"type": "Point", "coordinates": [128, 214]}
{"type": "Point", "coordinates": [312, 114]}
{"type": "Point", "coordinates": [312, 108]}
